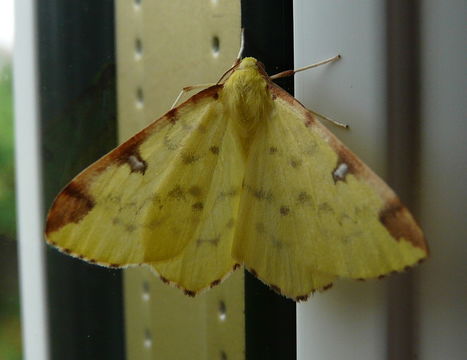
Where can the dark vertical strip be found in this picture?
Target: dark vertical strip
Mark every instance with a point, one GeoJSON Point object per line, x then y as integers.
{"type": "Point", "coordinates": [78, 111]}
{"type": "Point", "coordinates": [269, 318]}
{"type": "Point", "coordinates": [403, 156]}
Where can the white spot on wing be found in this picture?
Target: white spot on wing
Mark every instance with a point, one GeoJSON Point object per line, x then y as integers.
{"type": "Point", "coordinates": [136, 164]}
{"type": "Point", "coordinates": [340, 171]}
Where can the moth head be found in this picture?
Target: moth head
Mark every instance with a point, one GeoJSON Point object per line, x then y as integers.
{"type": "Point", "coordinates": [247, 63]}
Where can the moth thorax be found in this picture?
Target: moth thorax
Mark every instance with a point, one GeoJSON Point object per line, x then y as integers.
{"type": "Point", "coordinates": [247, 100]}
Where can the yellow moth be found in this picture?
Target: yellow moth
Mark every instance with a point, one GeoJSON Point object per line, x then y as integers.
{"type": "Point", "coordinates": [239, 174]}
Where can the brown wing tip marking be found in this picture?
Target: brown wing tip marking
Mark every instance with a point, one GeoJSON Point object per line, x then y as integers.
{"type": "Point", "coordinates": [400, 224]}
{"type": "Point", "coordinates": [71, 205]}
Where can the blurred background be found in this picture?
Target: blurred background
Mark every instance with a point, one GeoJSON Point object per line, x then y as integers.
{"type": "Point", "coordinates": [10, 332]}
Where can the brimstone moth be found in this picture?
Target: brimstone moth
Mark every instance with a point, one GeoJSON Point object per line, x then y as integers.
{"type": "Point", "coordinates": [239, 174]}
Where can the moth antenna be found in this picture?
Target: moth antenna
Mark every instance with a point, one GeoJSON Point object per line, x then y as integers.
{"type": "Point", "coordinates": [337, 123]}
{"type": "Point", "coordinates": [239, 56]}
{"type": "Point", "coordinates": [227, 72]}
{"type": "Point", "coordinates": [235, 64]}
{"type": "Point", "coordinates": [242, 46]}
{"type": "Point", "coordinates": [189, 88]}
{"type": "Point", "coordinates": [291, 72]}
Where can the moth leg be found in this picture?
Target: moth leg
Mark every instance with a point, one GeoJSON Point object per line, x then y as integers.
{"type": "Point", "coordinates": [189, 88]}
{"type": "Point", "coordinates": [291, 72]}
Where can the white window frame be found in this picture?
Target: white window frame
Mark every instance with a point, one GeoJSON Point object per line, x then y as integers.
{"type": "Point", "coordinates": [31, 245]}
